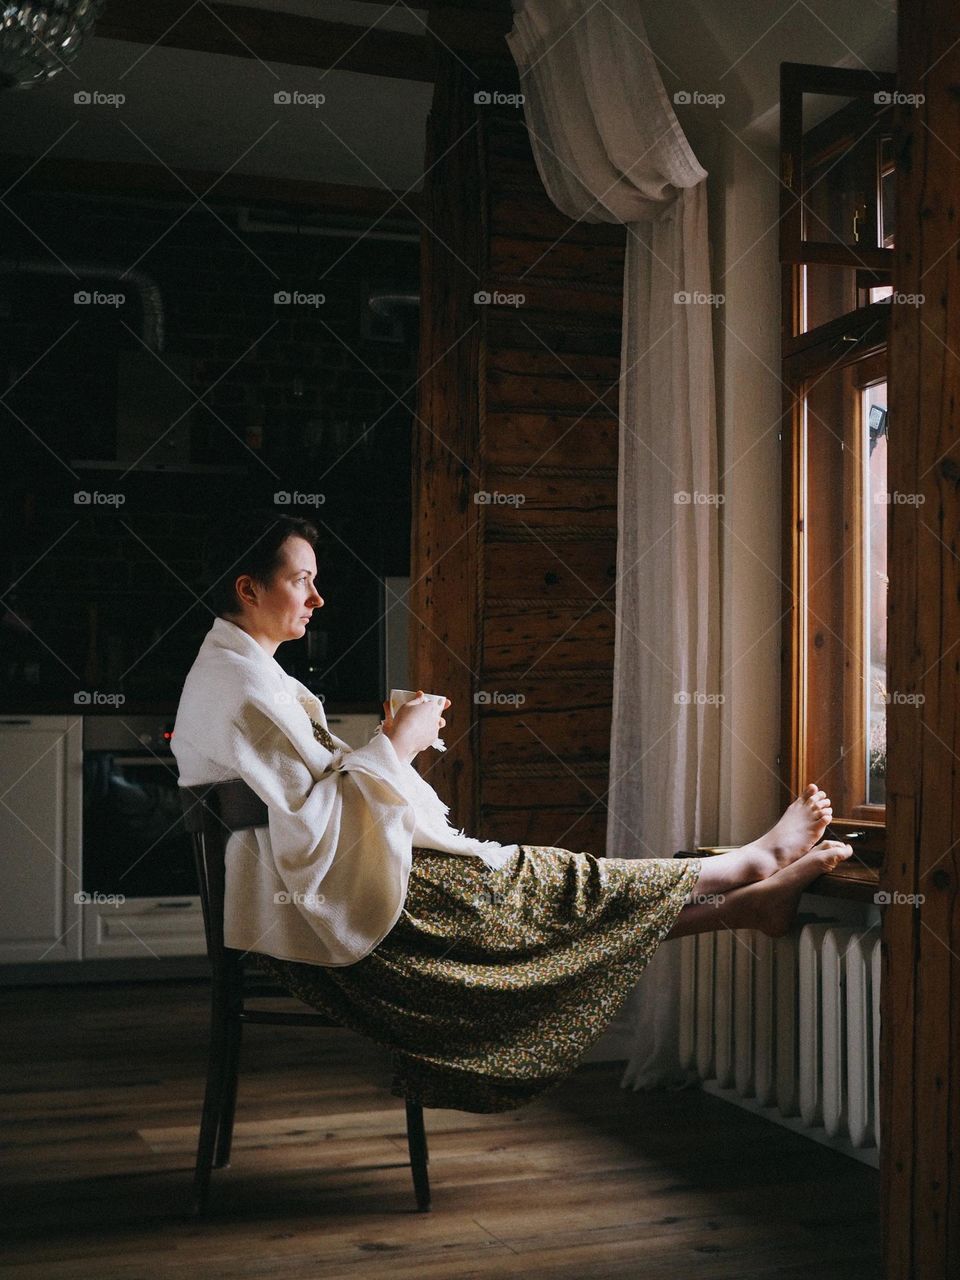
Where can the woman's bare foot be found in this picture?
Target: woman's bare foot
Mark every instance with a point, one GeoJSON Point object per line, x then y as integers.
{"type": "Point", "coordinates": [770, 905]}
{"type": "Point", "coordinates": [801, 825]}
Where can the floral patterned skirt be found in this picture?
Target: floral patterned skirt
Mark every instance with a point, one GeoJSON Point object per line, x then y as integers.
{"type": "Point", "coordinates": [493, 983]}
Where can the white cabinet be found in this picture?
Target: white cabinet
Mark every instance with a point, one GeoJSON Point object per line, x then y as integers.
{"type": "Point", "coordinates": [44, 914]}
{"type": "Point", "coordinates": [139, 928]}
{"type": "Point", "coordinates": [41, 776]}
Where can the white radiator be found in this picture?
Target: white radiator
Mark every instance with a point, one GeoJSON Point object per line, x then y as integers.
{"type": "Point", "coordinates": [789, 1027]}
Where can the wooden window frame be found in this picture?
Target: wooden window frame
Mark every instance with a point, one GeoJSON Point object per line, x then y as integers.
{"type": "Point", "coordinates": [855, 341]}
{"type": "Point", "coordinates": [859, 345]}
{"type": "Point", "coordinates": [796, 79]}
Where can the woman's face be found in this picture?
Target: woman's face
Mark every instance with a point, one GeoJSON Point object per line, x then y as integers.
{"type": "Point", "coordinates": [281, 611]}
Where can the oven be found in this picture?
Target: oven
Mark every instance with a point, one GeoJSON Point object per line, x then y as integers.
{"type": "Point", "coordinates": [140, 890]}
{"type": "Point", "coordinates": [140, 894]}
{"type": "Point", "coordinates": [134, 840]}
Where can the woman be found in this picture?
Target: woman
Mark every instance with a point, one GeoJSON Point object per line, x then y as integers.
{"type": "Point", "coordinates": [487, 969]}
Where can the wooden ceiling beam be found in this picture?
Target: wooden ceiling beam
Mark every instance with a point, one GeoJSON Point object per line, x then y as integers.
{"type": "Point", "coordinates": [243, 32]}
{"type": "Point", "coordinates": [467, 30]}
{"type": "Point", "coordinates": [113, 177]}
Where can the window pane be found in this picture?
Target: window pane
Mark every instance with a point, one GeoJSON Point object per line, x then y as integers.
{"type": "Point", "coordinates": [844, 585]}
{"type": "Point", "coordinates": [873, 416]}
{"type": "Point", "coordinates": [832, 590]}
{"type": "Point", "coordinates": [887, 192]}
{"type": "Point", "coordinates": [846, 154]}
{"type": "Point", "coordinates": [828, 292]}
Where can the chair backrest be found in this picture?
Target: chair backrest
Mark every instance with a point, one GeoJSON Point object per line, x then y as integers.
{"type": "Point", "coordinates": [210, 813]}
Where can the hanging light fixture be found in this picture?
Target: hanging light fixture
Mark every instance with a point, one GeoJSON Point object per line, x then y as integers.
{"type": "Point", "coordinates": [37, 40]}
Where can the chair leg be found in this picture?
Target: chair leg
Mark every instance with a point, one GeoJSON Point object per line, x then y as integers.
{"type": "Point", "coordinates": [231, 1068]}
{"type": "Point", "coordinates": [212, 1106]}
{"type": "Point", "coordinates": [417, 1143]}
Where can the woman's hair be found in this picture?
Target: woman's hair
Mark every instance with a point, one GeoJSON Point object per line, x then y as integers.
{"type": "Point", "coordinates": [248, 544]}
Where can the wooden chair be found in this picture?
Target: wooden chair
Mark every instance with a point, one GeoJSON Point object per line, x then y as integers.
{"type": "Point", "coordinates": [209, 813]}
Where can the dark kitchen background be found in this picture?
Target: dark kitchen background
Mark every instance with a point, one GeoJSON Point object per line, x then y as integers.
{"type": "Point", "coordinates": [103, 524]}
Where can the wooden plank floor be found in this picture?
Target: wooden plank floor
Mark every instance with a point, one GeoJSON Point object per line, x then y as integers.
{"type": "Point", "coordinates": [100, 1100]}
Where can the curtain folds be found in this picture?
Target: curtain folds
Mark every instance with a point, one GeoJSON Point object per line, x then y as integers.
{"type": "Point", "coordinates": [610, 149]}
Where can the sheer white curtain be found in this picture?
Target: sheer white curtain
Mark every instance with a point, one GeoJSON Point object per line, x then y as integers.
{"type": "Point", "coordinates": [610, 149]}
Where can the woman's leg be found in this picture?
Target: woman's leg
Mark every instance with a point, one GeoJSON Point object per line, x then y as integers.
{"type": "Point", "coordinates": [769, 905]}
{"type": "Point", "coordinates": [800, 826]}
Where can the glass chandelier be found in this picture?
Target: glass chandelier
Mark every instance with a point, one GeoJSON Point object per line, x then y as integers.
{"type": "Point", "coordinates": [37, 40]}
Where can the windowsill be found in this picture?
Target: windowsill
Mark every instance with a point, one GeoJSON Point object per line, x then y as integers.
{"type": "Point", "coordinates": [858, 878]}
{"type": "Point", "coordinates": [870, 813]}
{"type": "Point", "coordinates": [852, 879]}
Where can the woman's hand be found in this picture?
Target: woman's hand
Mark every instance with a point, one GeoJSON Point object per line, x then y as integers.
{"type": "Point", "coordinates": [415, 725]}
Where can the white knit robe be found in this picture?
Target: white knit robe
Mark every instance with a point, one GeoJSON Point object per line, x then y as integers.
{"type": "Point", "coordinates": [326, 880]}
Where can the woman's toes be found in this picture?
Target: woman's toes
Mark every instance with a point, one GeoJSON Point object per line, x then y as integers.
{"type": "Point", "coordinates": [833, 852]}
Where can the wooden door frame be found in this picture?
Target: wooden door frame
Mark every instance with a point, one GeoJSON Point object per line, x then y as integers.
{"type": "Point", "coordinates": [920, 1023]}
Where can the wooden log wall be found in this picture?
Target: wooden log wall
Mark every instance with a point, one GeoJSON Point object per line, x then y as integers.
{"type": "Point", "coordinates": [514, 592]}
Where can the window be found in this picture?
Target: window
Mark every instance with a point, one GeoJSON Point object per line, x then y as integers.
{"type": "Point", "coordinates": [836, 244]}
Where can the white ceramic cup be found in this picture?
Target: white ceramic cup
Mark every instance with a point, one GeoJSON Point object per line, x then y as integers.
{"type": "Point", "coordinates": [399, 696]}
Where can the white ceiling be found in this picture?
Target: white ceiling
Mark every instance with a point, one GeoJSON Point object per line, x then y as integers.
{"type": "Point", "coordinates": [735, 47]}
{"type": "Point", "coordinates": [215, 112]}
